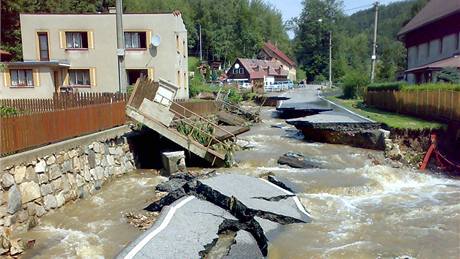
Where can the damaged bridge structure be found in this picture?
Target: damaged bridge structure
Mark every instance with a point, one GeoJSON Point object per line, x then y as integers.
{"type": "Point", "coordinates": [217, 216]}
{"type": "Point", "coordinates": [150, 104]}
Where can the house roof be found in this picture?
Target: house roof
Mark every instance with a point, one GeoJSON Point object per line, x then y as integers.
{"type": "Point", "coordinates": [448, 62]}
{"type": "Point", "coordinates": [52, 63]}
{"type": "Point", "coordinates": [433, 11]}
{"type": "Point", "coordinates": [258, 68]}
{"type": "Point", "coordinates": [279, 54]}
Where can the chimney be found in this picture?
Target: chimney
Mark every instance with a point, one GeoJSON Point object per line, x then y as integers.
{"type": "Point", "coordinates": [112, 9]}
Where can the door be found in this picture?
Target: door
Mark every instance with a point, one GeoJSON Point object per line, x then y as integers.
{"type": "Point", "coordinates": [43, 46]}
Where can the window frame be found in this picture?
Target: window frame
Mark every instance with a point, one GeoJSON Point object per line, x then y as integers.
{"type": "Point", "coordinates": [142, 43]}
{"type": "Point", "coordinates": [82, 40]}
{"type": "Point", "coordinates": [76, 85]}
{"type": "Point", "coordinates": [26, 84]}
{"type": "Point", "coordinates": [39, 33]}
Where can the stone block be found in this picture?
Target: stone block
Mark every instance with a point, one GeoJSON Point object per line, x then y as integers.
{"type": "Point", "coordinates": [19, 173]}
{"type": "Point", "coordinates": [57, 184]}
{"type": "Point", "coordinates": [7, 180]}
{"type": "Point", "coordinates": [14, 200]}
{"type": "Point", "coordinates": [31, 175]}
{"type": "Point", "coordinates": [92, 159]}
{"type": "Point", "coordinates": [60, 159]}
{"type": "Point", "coordinates": [76, 164]}
{"type": "Point", "coordinates": [99, 173]}
{"type": "Point", "coordinates": [173, 162]}
{"type": "Point", "coordinates": [9, 220]}
{"type": "Point", "coordinates": [110, 160]}
{"type": "Point", "coordinates": [54, 172]}
{"type": "Point", "coordinates": [112, 150]}
{"type": "Point", "coordinates": [72, 153]}
{"type": "Point", "coordinates": [71, 179]}
{"type": "Point", "coordinates": [29, 191]}
{"type": "Point", "coordinates": [60, 200]}
{"type": "Point", "coordinates": [31, 208]}
{"type": "Point", "coordinates": [40, 167]}
{"type": "Point", "coordinates": [23, 216]}
{"type": "Point", "coordinates": [43, 178]}
{"type": "Point", "coordinates": [67, 166]}
{"type": "Point", "coordinates": [80, 180]}
{"type": "Point", "coordinates": [40, 210]}
{"type": "Point", "coordinates": [3, 211]}
{"type": "Point", "coordinates": [50, 202]}
{"type": "Point", "coordinates": [51, 160]}
{"type": "Point", "coordinates": [46, 189]}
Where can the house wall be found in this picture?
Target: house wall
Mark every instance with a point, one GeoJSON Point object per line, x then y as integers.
{"type": "Point", "coordinates": [45, 88]}
{"type": "Point", "coordinates": [430, 51]}
{"type": "Point", "coordinates": [165, 61]}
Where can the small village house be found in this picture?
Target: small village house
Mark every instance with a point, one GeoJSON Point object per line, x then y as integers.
{"type": "Point", "coordinates": [432, 39]}
{"type": "Point", "coordinates": [257, 72]}
{"type": "Point", "coordinates": [271, 52]}
{"type": "Point", "coordinates": [78, 53]}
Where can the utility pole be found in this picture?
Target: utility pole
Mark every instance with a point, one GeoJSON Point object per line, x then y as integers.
{"type": "Point", "coordinates": [120, 47]}
{"type": "Point", "coordinates": [330, 58]}
{"type": "Point", "coordinates": [374, 46]}
{"type": "Point", "coordinates": [201, 48]}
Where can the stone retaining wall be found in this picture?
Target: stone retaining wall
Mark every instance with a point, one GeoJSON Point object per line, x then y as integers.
{"type": "Point", "coordinates": [31, 189]}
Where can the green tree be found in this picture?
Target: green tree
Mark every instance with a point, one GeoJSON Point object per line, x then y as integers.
{"type": "Point", "coordinates": [312, 29]}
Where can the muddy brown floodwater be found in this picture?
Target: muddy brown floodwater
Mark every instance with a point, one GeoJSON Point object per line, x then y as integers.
{"type": "Point", "coordinates": [359, 209]}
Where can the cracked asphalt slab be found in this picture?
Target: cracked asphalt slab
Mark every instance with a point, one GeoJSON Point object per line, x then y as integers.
{"type": "Point", "coordinates": [254, 209]}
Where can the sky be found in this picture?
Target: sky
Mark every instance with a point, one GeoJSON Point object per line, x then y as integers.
{"type": "Point", "coordinates": [292, 8]}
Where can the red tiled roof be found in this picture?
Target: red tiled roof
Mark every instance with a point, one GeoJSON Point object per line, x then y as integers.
{"type": "Point", "coordinates": [258, 68]}
{"type": "Point", "coordinates": [448, 62]}
{"type": "Point", "coordinates": [280, 55]}
{"type": "Point", "coordinates": [433, 10]}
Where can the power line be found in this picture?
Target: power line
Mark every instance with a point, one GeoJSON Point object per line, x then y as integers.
{"type": "Point", "coordinates": [358, 7]}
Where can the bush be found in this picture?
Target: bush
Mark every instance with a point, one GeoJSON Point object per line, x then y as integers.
{"type": "Point", "coordinates": [449, 75]}
{"type": "Point", "coordinates": [234, 96]}
{"type": "Point", "coordinates": [8, 111]}
{"type": "Point", "coordinates": [386, 86]}
{"type": "Point", "coordinates": [431, 87]}
{"type": "Point", "coordinates": [404, 86]}
{"type": "Point", "coordinates": [354, 83]}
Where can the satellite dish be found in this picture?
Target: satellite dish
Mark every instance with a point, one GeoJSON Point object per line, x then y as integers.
{"type": "Point", "coordinates": [237, 65]}
{"type": "Point", "coordinates": [155, 40]}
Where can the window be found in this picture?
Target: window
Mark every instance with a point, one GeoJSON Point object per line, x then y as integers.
{"type": "Point", "coordinates": [236, 71]}
{"type": "Point", "coordinates": [241, 71]}
{"type": "Point", "coordinates": [79, 77]}
{"type": "Point", "coordinates": [178, 78]}
{"type": "Point", "coordinates": [43, 46]}
{"type": "Point", "coordinates": [76, 40]}
{"type": "Point", "coordinates": [135, 40]}
{"type": "Point", "coordinates": [134, 74]}
{"type": "Point", "coordinates": [21, 77]}
{"type": "Point", "coordinates": [177, 42]}
{"type": "Point", "coordinates": [428, 54]}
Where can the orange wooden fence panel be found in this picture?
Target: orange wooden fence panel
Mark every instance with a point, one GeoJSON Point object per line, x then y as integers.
{"type": "Point", "coordinates": [441, 105]}
{"type": "Point", "coordinates": [28, 130]}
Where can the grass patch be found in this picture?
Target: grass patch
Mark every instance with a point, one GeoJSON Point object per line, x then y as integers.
{"type": "Point", "coordinates": [392, 120]}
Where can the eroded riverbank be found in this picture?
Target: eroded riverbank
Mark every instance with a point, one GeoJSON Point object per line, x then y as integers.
{"type": "Point", "coordinates": [360, 207]}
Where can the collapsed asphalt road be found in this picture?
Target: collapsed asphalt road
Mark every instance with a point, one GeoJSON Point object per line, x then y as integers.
{"type": "Point", "coordinates": [230, 216]}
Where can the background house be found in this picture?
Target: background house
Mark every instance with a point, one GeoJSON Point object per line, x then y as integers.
{"type": "Point", "coordinates": [77, 52]}
{"type": "Point", "coordinates": [271, 52]}
{"type": "Point", "coordinates": [257, 72]}
{"type": "Point", "coordinates": [432, 39]}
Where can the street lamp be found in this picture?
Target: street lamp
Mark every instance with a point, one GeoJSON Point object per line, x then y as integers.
{"type": "Point", "coordinates": [330, 55]}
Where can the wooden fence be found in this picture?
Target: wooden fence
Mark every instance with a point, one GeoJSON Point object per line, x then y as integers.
{"type": "Point", "coordinates": [42, 122]}
{"type": "Point", "coordinates": [62, 101]}
{"type": "Point", "coordinates": [440, 105]}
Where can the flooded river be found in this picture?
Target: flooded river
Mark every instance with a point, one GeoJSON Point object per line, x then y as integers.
{"type": "Point", "coordinates": [360, 209]}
